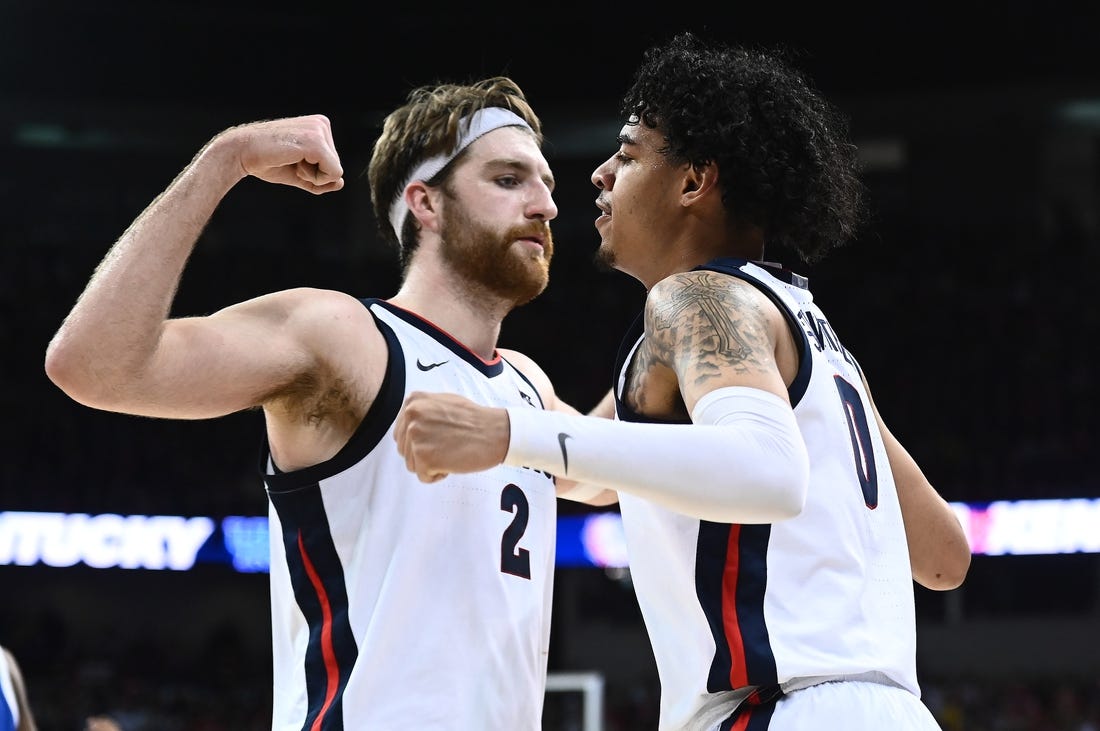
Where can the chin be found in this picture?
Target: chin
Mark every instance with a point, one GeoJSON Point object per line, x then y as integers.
{"type": "Point", "coordinates": [528, 283]}
{"type": "Point", "coordinates": [523, 295]}
{"type": "Point", "coordinates": [605, 258]}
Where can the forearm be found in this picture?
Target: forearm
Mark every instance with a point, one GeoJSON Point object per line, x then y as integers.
{"type": "Point", "coordinates": [585, 492]}
{"type": "Point", "coordinates": [938, 549]}
{"type": "Point", "coordinates": [939, 553]}
{"type": "Point", "coordinates": [606, 406]}
{"type": "Point", "coordinates": [742, 461]}
{"type": "Point", "coordinates": [115, 325]}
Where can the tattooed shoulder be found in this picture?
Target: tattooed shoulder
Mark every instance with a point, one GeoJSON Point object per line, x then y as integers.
{"type": "Point", "coordinates": [702, 323]}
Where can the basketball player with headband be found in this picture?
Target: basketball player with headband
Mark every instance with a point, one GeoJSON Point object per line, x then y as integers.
{"type": "Point", "coordinates": [395, 604]}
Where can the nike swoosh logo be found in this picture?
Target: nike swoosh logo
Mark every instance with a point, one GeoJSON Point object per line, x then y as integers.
{"type": "Point", "coordinates": [429, 366]}
{"type": "Point", "coordinates": [562, 436]}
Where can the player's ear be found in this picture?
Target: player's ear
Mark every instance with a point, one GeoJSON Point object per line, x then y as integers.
{"type": "Point", "coordinates": [424, 203]}
{"type": "Point", "coordinates": [698, 181]}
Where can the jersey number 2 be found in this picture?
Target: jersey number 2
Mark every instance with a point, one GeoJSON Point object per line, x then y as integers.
{"type": "Point", "coordinates": [513, 559]}
{"type": "Point", "coordinates": [862, 448]}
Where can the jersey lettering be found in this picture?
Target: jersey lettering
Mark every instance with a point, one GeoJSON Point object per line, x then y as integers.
{"type": "Point", "coordinates": [822, 335]}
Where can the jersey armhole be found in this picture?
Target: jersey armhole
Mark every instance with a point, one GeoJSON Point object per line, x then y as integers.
{"type": "Point", "coordinates": [373, 427]}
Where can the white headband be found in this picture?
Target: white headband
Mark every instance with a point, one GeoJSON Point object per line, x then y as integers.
{"type": "Point", "coordinates": [470, 128]}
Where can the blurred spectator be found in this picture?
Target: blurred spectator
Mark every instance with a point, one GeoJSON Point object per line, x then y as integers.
{"type": "Point", "coordinates": [15, 710]}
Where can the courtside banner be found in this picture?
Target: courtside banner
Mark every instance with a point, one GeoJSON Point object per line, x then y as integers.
{"type": "Point", "coordinates": [177, 543]}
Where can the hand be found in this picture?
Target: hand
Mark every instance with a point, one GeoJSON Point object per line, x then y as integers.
{"type": "Point", "coordinates": [101, 723]}
{"type": "Point", "coordinates": [441, 433]}
{"type": "Point", "coordinates": [297, 151]}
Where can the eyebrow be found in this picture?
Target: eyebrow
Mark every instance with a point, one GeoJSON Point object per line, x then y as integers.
{"type": "Point", "coordinates": [626, 139]}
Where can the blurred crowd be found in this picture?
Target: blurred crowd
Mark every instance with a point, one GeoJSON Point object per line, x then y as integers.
{"type": "Point", "coordinates": [231, 693]}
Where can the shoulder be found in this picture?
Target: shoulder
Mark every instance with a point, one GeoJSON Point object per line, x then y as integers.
{"type": "Point", "coordinates": [701, 285]}
{"type": "Point", "coordinates": [527, 367]}
{"type": "Point", "coordinates": [336, 338]}
{"type": "Point", "coordinates": [298, 305]}
{"type": "Point", "coordinates": [313, 302]}
{"type": "Point", "coordinates": [534, 373]}
{"type": "Point", "coordinates": [703, 297]}
{"type": "Point", "coordinates": [343, 356]}
{"type": "Point", "coordinates": [313, 314]}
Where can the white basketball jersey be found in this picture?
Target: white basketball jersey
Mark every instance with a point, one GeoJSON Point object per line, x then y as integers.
{"type": "Point", "coordinates": [398, 604]}
{"type": "Point", "coordinates": [737, 611]}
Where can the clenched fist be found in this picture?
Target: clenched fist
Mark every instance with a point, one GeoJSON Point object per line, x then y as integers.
{"type": "Point", "coordinates": [441, 433]}
{"type": "Point", "coordinates": [297, 151]}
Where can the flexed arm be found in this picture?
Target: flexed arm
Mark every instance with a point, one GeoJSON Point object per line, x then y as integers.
{"type": "Point", "coordinates": [117, 350]}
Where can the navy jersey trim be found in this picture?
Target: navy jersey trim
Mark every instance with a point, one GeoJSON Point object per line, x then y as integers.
{"type": "Point", "coordinates": [732, 267]}
{"type": "Point", "coordinates": [376, 422]}
{"type": "Point", "coordinates": [633, 333]}
{"type": "Point", "coordinates": [731, 561]}
{"type": "Point", "coordinates": [320, 591]}
{"type": "Point", "coordinates": [731, 576]}
{"type": "Point", "coordinates": [755, 712]}
{"type": "Point", "coordinates": [488, 369]}
{"type": "Point", "coordinates": [526, 380]}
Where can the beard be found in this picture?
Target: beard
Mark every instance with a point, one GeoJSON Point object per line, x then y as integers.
{"type": "Point", "coordinates": [604, 258]}
{"type": "Point", "coordinates": [486, 258]}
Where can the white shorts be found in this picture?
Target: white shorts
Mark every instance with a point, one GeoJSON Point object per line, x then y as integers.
{"type": "Point", "coordinates": [851, 705]}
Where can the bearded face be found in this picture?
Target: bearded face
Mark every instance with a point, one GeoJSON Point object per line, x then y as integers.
{"type": "Point", "coordinates": [496, 260]}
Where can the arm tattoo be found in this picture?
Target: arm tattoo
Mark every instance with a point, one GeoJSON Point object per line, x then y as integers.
{"type": "Point", "coordinates": [708, 324]}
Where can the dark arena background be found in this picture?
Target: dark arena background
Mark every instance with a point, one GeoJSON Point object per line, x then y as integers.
{"type": "Point", "coordinates": [132, 577]}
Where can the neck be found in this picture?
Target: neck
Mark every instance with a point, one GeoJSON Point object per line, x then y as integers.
{"type": "Point", "coordinates": [684, 258]}
{"type": "Point", "coordinates": [469, 316]}
{"type": "Point", "coordinates": [701, 245]}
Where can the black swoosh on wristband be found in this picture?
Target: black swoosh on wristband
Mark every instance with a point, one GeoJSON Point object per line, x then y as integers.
{"type": "Point", "coordinates": [562, 436]}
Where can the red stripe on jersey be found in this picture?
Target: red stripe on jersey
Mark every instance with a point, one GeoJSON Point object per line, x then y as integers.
{"type": "Point", "coordinates": [327, 650]}
{"type": "Point", "coordinates": [738, 668]}
{"type": "Point", "coordinates": [742, 721]}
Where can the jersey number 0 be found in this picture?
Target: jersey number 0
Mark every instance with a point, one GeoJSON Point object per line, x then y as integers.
{"type": "Point", "coordinates": [862, 447]}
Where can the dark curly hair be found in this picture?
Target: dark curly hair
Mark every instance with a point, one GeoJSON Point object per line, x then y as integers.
{"type": "Point", "coordinates": [782, 150]}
